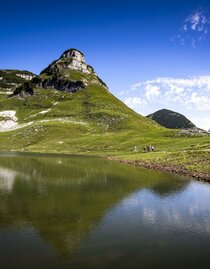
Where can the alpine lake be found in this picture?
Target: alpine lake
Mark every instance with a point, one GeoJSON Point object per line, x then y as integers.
{"type": "Point", "coordinates": [63, 211]}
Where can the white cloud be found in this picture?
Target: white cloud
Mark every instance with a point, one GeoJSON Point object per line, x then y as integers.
{"type": "Point", "coordinates": [197, 21]}
{"type": "Point", "coordinates": [134, 102]}
{"type": "Point", "coordinates": [194, 29]}
{"type": "Point", "coordinates": [189, 96]}
{"type": "Point", "coordinates": [203, 121]}
{"type": "Point", "coordinates": [152, 91]}
{"type": "Point", "coordinates": [199, 101]}
{"type": "Point", "coordinates": [136, 86]}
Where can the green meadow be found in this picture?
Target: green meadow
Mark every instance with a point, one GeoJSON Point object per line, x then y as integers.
{"type": "Point", "coordinates": [94, 122]}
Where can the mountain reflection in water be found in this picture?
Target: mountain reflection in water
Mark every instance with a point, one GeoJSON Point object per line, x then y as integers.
{"type": "Point", "coordinates": [61, 211]}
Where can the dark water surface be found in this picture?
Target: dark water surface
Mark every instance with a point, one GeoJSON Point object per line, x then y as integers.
{"type": "Point", "coordinates": [85, 212]}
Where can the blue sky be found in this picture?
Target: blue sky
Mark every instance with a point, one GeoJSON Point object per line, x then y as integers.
{"type": "Point", "coordinates": [152, 54]}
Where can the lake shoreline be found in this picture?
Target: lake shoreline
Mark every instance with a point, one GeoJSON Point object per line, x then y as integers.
{"type": "Point", "coordinates": [172, 169]}
{"type": "Point", "coordinates": [168, 168]}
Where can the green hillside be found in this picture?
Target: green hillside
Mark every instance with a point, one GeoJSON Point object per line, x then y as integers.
{"type": "Point", "coordinates": [171, 119]}
{"type": "Point", "coordinates": [78, 115]}
{"type": "Point", "coordinates": [69, 109]}
{"type": "Point", "coordinates": [88, 120]}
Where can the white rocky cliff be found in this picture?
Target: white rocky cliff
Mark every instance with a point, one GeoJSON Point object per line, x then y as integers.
{"type": "Point", "coordinates": [59, 74]}
{"type": "Point", "coordinates": [75, 60]}
{"type": "Point", "coordinates": [25, 76]}
{"type": "Point", "coordinates": [71, 59]}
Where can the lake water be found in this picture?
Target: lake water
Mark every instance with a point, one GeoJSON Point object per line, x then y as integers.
{"type": "Point", "coordinates": [84, 212]}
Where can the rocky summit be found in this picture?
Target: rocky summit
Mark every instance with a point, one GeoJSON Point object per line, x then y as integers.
{"type": "Point", "coordinates": [69, 73]}
{"type": "Point", "coordinates": [71, 59]}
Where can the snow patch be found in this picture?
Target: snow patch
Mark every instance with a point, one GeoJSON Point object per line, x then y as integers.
{"type": "Point", "coordinates": [9, 114]}
{"type": "Point", "coordinates": [41, 112]}
{"type": "Point", "coordinates": [14, 126]}
{"type": "Point", "coordinates": [44, 111]}
{"type": "Point", "coordinates": [10, 120]}
{"type": "Point", "coordinates": [7, 125]}
{"type": "Point", "coordinates": [6, 92]}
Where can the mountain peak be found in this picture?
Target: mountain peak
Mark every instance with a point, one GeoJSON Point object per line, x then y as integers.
{"type": "Point", "coordinates": [69, 73]}
{"type": "Point", "coordinates": [72, 59]}
{"type": "Point", "coordinates": [74, 53]}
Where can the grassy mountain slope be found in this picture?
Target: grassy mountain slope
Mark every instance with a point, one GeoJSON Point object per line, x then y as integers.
{"type": "Point", "coordinates": [89, 120]}
{"type": "Point", "coordinates": [78, 115]}
{"type": "Point", "coordinates": [71, 111]}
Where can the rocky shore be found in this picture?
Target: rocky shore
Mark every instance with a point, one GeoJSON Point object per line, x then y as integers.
{"type": "Point", "coordinates": [173, 169]}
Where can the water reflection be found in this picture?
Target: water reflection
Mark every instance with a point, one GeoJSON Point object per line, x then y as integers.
{"type": "Point", "coordinates": [146, 230]}
{"type": "Point", "coordinates": [7, 178]}
{"type": "Point", "coordinates": [96, 213]}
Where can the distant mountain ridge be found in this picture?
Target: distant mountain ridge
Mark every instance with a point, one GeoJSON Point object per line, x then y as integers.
{"type": "Point", "coordinates": [10, 79]}
{"type": "Point", "coordinates": [171, 119]}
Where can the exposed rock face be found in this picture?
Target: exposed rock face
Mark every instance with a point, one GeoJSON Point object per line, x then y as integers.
{"type": "Point", "coordinates": [76, 61]}
{"type": "Point", "coordinates": [70, 59]}
{"type": "Point", "coordinates": [62, 85]}
{"type": "Point", "coordinates": [69, 73]}
{"type": "Point", "coordinates": [193, 132]}
{"type": "Point", "coordinates": [26, 89]}
{"type": "Point", "coordinates": [12, 79]}
{"type": "Point", "coordinates": [26, 76]}
{"type": "Point", "coordinates": [171, 119]}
